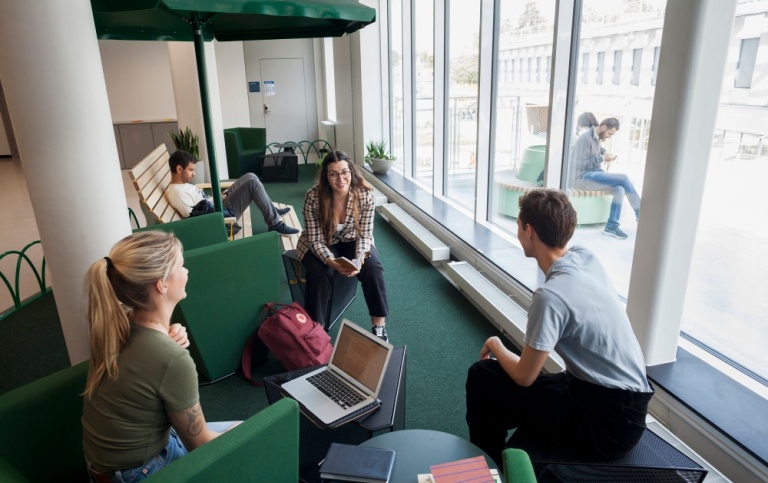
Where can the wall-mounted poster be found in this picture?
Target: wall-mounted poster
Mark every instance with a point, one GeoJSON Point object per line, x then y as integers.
{"type": "Point", "coordinates": [269, 88]}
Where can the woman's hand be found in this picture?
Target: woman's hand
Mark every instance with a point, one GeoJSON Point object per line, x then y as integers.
{"type": "Point", "coordinates": [178, 333]}
{"type": "Point", "coordinates": [342, 269]}
{"type": "Point", "coordinates": [489, 346]}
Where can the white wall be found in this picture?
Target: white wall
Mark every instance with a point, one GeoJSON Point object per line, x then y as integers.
{"type": "Point", "coordinates": [233, 86]}
{"type": "Point", "coordinates": [256, 50]}
{"type": "Point", "coordinates": [138, 78]}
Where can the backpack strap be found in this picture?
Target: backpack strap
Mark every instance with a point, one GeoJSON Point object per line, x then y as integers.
{"type": "Point", "coordinates": [246, 358]}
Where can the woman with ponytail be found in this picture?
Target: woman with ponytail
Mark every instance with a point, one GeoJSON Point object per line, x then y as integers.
{"type": "Point", "coordinates": [338, 213]}
{"type": "Point", "coordinates": [141, 406]}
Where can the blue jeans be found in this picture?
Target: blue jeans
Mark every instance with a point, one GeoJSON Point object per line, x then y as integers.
{"type": "Point", "coordinates": [173, 450]}
{"type": "Point", "coordinates": [618, 185]}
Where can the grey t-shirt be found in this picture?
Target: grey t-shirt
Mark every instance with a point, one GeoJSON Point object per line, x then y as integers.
{"type": "Point", "coordinates": [125, 422]}
{"type": "Point", "coordinates": [577, 313]}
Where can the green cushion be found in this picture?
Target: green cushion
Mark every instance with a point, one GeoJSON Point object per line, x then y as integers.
{"type": "Point", "coordinates": [197, 231]}
{"type": "Point", "coordinates": [264, 449]}
{"type": "Point", "coordinates": [41, 430]}
{"type": "Point", "coordinates": [227, 288]}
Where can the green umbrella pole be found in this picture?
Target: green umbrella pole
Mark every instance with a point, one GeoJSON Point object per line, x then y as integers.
{"type": "Point", "coordinates": [202, 78]}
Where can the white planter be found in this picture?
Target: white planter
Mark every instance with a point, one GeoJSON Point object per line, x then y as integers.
{"type": "Point", "coordinates": [381, 166]}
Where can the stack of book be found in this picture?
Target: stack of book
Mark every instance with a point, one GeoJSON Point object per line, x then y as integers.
{"type": "Point", "coordinates": [473, 470]}
{"type": "Point", "coordinates": [345, 462]}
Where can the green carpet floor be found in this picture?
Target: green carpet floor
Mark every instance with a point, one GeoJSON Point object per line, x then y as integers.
{"type": "Point", "coordinates": [442, 330]}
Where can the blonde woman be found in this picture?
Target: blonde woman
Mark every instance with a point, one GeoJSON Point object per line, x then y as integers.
{"type": "Point", "coordinates": [141, 408]}
{"type": "Point", "coordinates": [338, 213]}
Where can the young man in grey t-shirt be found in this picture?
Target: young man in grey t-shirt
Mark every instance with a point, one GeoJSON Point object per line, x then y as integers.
{"type": "Point", "coordinates": [597, 407]}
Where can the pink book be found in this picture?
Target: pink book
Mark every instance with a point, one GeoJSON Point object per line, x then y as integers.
{"type": "Point", "coordinates": [474, 470]}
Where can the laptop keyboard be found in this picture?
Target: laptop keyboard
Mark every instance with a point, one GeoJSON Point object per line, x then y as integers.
{"type": "Point", "coordinates": [336, 389]}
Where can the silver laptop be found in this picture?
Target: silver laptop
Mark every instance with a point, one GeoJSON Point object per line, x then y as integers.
{"type": "Point", "coordinates": [351, 380]}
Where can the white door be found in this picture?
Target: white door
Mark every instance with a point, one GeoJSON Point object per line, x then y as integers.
{"type": "Point", "coordinates": [285, 100]}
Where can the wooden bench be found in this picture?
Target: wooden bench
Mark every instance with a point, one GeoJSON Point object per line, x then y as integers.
{"type": "Point", "coordinates": [151, 177]}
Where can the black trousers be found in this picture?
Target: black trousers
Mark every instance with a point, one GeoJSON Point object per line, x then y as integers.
{"type": "Point", "coordinates": [317, 294]}
{"type": "Point", "coordinates": [558, 413]}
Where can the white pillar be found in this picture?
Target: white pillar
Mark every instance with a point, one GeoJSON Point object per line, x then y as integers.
{"type": "Point", "coordinates": [691, 62]}
{"type": "Point", "coordinates": [57, 98]}
{"type": "Point", "coordinates": [189, 110]}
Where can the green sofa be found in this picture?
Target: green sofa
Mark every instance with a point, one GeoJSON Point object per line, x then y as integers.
{"type": "Point", "coordinates": [42, 439]}
{"type": "Point", "coordinates": [244, 145]}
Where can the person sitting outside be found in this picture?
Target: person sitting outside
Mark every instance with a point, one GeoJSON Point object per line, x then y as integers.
{"type": "Point", "coordinates": [338, 213]}
{"type": "Point", "coordinates": [189, 200]}
{"type": "Point", "coordinates": [141, 408]}
{"type": "Point", "coordinates": [595, 409]}
{"type": "Point", "coordinates": [589, 156]}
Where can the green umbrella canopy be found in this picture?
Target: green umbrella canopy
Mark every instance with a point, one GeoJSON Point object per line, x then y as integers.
{"type": "Point", "coordinates": [228, 19]}
{"type": "Point", "coordinates": [200, 20]}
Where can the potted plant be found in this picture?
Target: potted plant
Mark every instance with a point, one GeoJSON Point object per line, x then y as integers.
{"type": "Point", "coordinates": [186, 141]}
{"type": "Point", "coordinates": [379, 157]}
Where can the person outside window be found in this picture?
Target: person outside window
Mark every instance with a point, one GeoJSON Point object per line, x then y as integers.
{"type": "Point", "coordinates": [338, 213]}
{"type": "Point", "coordinates": [597, 407]}
{"type": "Point", "coordinates": [188, 199]}
{"type": "Point", "coordinates": [589, 158]}
{"type": "Point", "coordinates": [141, 408]}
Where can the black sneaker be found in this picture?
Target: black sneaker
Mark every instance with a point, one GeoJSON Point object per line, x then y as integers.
{"type": "Point", "coordinates": [282, 211]}
{"type": "Point", "coordinates": [615, 232]}
{"type": "Point", "coordinates": [283, 229]}
{"type": "Point", "coordinates": [380, 331]}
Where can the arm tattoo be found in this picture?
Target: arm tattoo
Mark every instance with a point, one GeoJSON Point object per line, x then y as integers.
{"type": "Point", "coordinates": [194, 419]}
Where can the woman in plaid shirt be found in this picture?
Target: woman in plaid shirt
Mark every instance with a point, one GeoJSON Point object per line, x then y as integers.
{"type": "Point", "coordinates": [338, 214]}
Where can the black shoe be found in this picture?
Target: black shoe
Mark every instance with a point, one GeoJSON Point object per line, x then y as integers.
{"type": "Point", "coordinates": [283, 229]}
{"type": "Point", "coordinates": [282, 211]}
{"type": "Point", "coordinates": [615, 232]}
{"type": "Point", "coordinates": [380, 331]}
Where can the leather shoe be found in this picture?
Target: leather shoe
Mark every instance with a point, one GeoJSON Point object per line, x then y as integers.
{"type": "Point", "coordinates": [282, 211]}
{"type": "Point", "coordinates": [283, 229]}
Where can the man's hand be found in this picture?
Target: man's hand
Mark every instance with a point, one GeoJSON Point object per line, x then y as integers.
{"type": "Point", "coordinates": [178, 333]}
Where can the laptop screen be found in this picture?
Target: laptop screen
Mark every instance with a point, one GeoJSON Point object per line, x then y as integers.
{"type": "Point", "coordinates": [360, 357]}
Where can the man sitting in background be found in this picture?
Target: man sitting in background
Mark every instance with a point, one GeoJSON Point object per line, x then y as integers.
{"type": "Point", "coordinates": [588, 157]}
{"type": "Point", "coordinates": [597, 407]}
{"type": "Point", "coordinates": [186, 198]}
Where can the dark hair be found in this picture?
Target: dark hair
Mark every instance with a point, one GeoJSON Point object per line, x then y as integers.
{"type": "Point", "coordinates": [550, 213]}
{"type": "Point", "coordinates": [610, 123]}
{"type": "Point", "coordinates": [586, 120]}
{"type": "Point", "coordinates": [180, 158]}
{"type": "Point", "coordinates": [325, 192]}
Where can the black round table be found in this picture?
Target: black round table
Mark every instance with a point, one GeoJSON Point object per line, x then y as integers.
{"type": "Point", "coordinates": [418, 449]}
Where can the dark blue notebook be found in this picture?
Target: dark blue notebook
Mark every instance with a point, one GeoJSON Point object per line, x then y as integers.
{"type": "Point", "coordinates": [347, 462]}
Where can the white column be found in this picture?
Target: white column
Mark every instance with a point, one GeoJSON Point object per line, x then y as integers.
{"type": "Point", "coordinates": [691, 62]}
{"type": "Point", "coordinates": [57, 98]}
{"type": "Point", "coordinates": [189, 110]}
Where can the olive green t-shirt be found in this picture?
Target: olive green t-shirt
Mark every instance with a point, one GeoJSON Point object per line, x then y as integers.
{"type": "Point", "coordinates": [125, 422]}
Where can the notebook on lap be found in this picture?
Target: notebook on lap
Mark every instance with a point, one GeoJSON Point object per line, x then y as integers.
{"type": "Point", "coordinates": [351, 380]}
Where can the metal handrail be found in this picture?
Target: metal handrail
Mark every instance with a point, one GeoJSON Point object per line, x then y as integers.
{"type": "Point", "coordinates": [15, 289]}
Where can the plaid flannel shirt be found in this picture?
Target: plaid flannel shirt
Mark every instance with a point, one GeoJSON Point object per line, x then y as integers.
{"type": "Point", "coordinates": [312, 238]}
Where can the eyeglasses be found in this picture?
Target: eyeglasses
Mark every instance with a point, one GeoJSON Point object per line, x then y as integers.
{"type": "Point", "coordinates": [346, 173]}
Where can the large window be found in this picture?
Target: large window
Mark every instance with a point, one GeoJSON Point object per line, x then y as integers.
{"type": "Point", "coordinates": [522, 108]}
{"type": "Point", "coordinates": [424, 62]}
{"type": "Point", "coordinates": [746, 67]}
{"type": "Point", "coordinates": [461, 124]}
{"type": "Point", "coordinates": [396, 79]}
{"type": "Point", "coordinates": [606, 226]}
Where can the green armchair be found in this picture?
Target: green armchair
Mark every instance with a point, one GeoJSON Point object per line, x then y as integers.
{"type": "Point", "coordinates": [42, 439]}
{"type": "Point", "coordinates": [229, 283]}
{"type": "Point", "coordinates": [244, 145]}
{"type": "Point", "coordinates": [517, 466]}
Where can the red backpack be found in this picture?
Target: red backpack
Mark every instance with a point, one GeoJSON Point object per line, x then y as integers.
{"type": "Point", "coordinates": [290, 334]}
